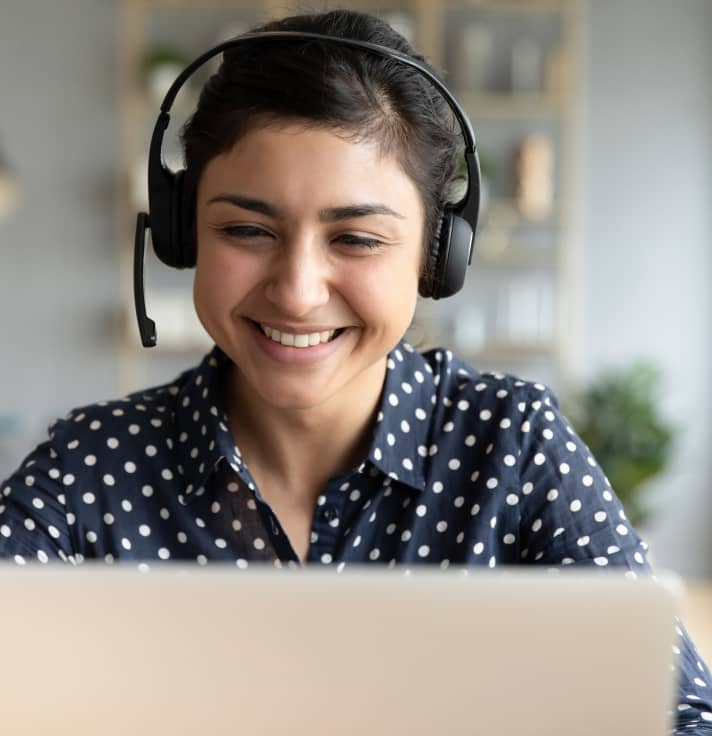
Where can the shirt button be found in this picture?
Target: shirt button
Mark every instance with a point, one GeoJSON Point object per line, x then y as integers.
{"type": "Point", "coordinates": [328, 513]}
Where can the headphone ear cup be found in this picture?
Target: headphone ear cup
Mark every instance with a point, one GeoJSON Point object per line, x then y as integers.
{"type": "Point", "coordinates": [172, 240]}
{"type": "Point", "coordinates": [428, 284]}
{"type": "Point", "coordinates": [453, 256]}
{"type": "Point", "coordinates": [161, 187]}
{"type": "Point", "coordinates": [183, 225]}
{"type": "Point", "coordinates": [188, 233]}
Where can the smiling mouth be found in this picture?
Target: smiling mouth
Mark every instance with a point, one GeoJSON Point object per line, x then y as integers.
{"type": "Point", "coordinates": [297, 340]}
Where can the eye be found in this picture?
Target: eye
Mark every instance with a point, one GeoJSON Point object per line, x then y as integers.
{"type": "Point", "coordinates": [243, 232]}
{"type": "Point", "coordinates": [359, 241]}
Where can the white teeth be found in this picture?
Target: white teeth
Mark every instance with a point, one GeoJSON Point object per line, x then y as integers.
{"type": "Point", "coordinates": [298, 341]}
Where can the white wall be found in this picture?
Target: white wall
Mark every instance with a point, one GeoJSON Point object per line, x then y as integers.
{"type": "Point", "coordinates": [58, 281]}
{"type": "Point", "coordinates": [647, 232]}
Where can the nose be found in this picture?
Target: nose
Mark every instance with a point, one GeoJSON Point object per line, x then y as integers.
{"type": "Point", "coordinates": [299, 279]}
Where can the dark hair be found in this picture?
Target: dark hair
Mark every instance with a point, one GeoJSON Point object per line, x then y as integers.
{"type": "Point", "coordinates": [362, 95]}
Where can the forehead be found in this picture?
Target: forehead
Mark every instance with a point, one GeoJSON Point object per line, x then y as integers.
{"type": "Point", "coordinates": [286, 156]}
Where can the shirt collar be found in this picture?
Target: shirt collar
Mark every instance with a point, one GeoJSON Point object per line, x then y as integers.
{"type": "Point", "coordinates": [203, 436]}
{"type": "Point", "coordinates": [400, 446]}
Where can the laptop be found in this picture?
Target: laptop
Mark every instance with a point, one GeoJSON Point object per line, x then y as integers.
{"type": "Point", "coordinates": [110, 650]}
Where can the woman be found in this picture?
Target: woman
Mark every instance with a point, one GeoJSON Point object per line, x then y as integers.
{"type": "Point", "coordinates": [313, 432]}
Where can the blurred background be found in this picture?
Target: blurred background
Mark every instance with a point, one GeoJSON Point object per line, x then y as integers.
{"type": "Point", "coordinates": [594, 123]}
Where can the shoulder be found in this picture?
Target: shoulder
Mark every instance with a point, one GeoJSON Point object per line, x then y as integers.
{"type": "Point", "coordinates": [128, 415]}
{"type": "Point", "coordinates": [467, 419]}
{"type": "Point", "coordinates": [141, 423]}
{"type": "Point", "coordinates": [484, 397]}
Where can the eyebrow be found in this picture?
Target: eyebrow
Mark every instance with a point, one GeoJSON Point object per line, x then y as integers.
{"type": "Point", "coordinates": [331, 214]}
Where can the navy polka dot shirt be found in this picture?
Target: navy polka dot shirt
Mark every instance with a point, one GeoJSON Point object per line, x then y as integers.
{"type": "Point", "coordinates": [464, 468]}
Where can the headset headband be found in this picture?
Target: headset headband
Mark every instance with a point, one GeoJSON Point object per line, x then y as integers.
{"type": "Point", "coordinates": [468, 133]}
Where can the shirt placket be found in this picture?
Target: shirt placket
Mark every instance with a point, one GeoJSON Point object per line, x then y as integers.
{"type": "Point", "coordinates": [326, 531]}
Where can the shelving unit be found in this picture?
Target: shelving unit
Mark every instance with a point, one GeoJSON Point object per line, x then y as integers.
{"type": "Point", "coordinates": [521, 264]}
{"type": "Point", "coordinates": [523, 282]}
{"type": "Point", "coordinates": [504, 106]}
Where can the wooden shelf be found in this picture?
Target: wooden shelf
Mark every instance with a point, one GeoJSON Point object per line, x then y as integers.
{"type": "Point", "coordinates": [513, 352]}
{"type": "Point", "coordinates": [697, 615]}
{"type": "Point", "coordinates": [513, 255]}
{"type": "Point", "coordinates": [492, 352]}
{"type": "Point", "coordinates": [508, 105]}
{"type": "Point", "coordinates": [508, 7]}
{"type": "Point", "coordinates": [505, 210]}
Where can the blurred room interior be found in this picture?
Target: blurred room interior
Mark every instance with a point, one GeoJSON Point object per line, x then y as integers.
{"type": "Point", "coordinates": [594, 124]}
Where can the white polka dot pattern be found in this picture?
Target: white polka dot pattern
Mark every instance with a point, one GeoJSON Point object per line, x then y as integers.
{"type": "Point", "coordinates": [463, 468]}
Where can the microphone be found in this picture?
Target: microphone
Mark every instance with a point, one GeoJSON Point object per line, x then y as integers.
{"type": "Point", "coordinates": [146, 326]}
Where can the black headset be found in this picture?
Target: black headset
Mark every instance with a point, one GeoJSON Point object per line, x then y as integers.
{"type": "Point", "coordinates": [173, 238]}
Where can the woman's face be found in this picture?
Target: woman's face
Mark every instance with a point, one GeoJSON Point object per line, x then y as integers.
{"type": "Point", "coordinates": [309, 252]}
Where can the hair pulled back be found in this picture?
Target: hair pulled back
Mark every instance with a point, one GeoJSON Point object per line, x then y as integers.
{"type": "Point", "coordinates": [361, 95]}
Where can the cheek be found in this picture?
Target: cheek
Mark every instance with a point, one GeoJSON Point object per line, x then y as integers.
{"type": "Point", "coordinates": [206, 272]}
{"type": "Point", "coordinates": [385, 293]}
{"type": "Point", "coordinates": [217, 278]}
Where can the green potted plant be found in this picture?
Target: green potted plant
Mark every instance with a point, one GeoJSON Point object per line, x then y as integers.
{"type": "Point", "coordinates": [618, 417]}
